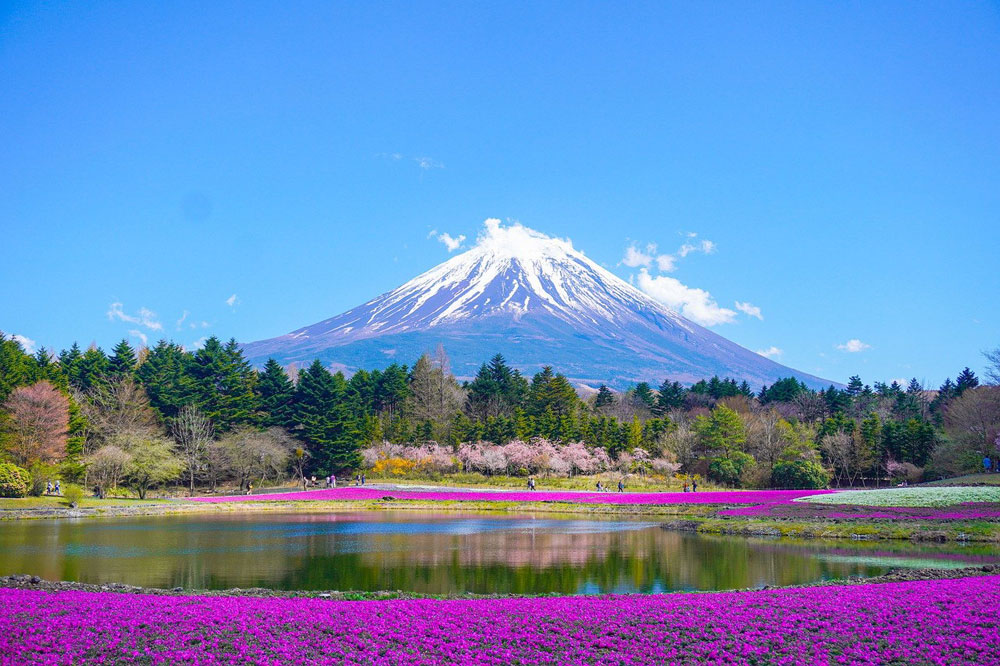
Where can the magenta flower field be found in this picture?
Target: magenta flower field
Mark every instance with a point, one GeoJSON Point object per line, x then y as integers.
{"type": "Point", "coordinates": [927, 622]}
{"type": "Point", "coordinates": [787, 508]}
{"type": "Point", "coordinates": [362, 493]}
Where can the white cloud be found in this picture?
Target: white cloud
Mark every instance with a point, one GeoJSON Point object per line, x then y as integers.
{"type": "Point", "coordinates": [180, 322]}
{"type": "Point", "coordinates": [26, 343]}
{"type": "Point", "coordinates": [771, 352]}
{"type": "Point", "coordinates": [232, 301]}
{"type": "Point", "coordinates": [140, 335]}
{"type": "Point", "coordinates": [426, 163]}
{"type": "Point", "coordinates": [853, 346]}
{"type": "Point", "coordinates": [634, 257]}
{"type": "Point", "coordinates": [666, 263]}
{"type": "Point", "coordinates": [449, 242]}
{"type": "Point", "coordinates": [705, 246]}
{"type": "Point", "coordinates": [749, 310]}
{"type": "Point", "coordinates": [197, 344]}
{"type": "Point", "coordinates": [695, 304]}
{"type": "Point", "coordinates": [146, 318]}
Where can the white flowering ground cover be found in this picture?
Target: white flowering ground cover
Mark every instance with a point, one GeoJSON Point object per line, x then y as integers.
{"type": "Point", "coordinates": [911, 496]}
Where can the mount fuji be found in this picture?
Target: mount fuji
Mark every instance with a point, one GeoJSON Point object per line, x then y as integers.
{"type": "Point", "coordinates": [538, 301]}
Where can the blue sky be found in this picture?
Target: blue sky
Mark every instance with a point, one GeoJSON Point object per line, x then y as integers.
{"type": "Point", "coordinates": [187, 169]}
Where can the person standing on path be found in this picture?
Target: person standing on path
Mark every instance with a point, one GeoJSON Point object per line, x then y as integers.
{"type": "Point", "coordinates": [694, 486]}
{"type": "Point", "coordinates": [621, 485]}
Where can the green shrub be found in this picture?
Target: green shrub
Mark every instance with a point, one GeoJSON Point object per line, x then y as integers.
{"type": "Point", "coordinates": [14, 481]}
{"type": "Point", "coordinates": [41, 473]}
{"type": "Point", "coordinates": [730, 470]}
{"type": "Point", "coordinates": [800, 474]}
{"type": "Point", "coordinates": [72, 494]}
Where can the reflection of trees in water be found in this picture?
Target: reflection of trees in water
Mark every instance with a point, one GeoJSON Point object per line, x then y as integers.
{"type": "Point", "coordinates": [255, 552]}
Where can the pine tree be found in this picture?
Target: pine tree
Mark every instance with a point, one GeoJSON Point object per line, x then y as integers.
{"type": "Point", "coordinates": [167, 378]}
{"type": "Point", "coordinates": [604, 397]}
{"type": "Point", "coordinates": [326, 425]}
{"type": "Point", "coordinates": [644, 395]}
{"type": "Point", "coordinates": [69, 361]}
{"type": "Point", "coordinates": [224, 383]}
{"type": "Point", "coordinates": [670, 396]}
{"type": "Point", "coordinates": [966, 380]}
{"type": "Point", "coordinates": [16, 367]}
{"type": "Point", "coordinates": [123, 360]}
{"type": "Point", "coordinates": [93, 368]}
{"type": "Point", "coordinates": [275, 395]}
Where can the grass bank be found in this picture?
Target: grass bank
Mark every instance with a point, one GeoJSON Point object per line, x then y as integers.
{"type": "Point", "coordinates": [862, 529]}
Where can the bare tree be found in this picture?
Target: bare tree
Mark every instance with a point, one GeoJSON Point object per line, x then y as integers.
{"type": "Point", "coordinates": [299, 457]}
{"type": "Point", "coordinates": [973, 420]}
{"type": "Point", "coordinates": [151, 460]}
{"type": "Point", "coordinates": [252, 454]}
{"type": "Point", "coordinates": [37, 425]}
{"type": "Point", "coordinates": [681, 441]}
{"type": "Point", "coordinates": [764, 438]}
{"type": "Point", "coordinates": [193, 432]}
{"type": "Point", "coordinates": [434, 396]}
{"type": "Point", "coordinates": [106, 467]}
{"type": "Point", "coordinates": [993, 368]}
{"type": "Point", "coordinates": [841, 450]}
{"type": "Point", "coordinates": [116, 407]}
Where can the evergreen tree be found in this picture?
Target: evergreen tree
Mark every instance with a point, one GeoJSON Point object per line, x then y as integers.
{"type": "Point", "coordinates": [391, 390]}
{"type": "Point", "coordinates": [275, 395]}
{"type": "Point", "coordinates": [722, 432]}
{"type": "Point", "coordinates": [966, 380]}
{"type": "Point", "coordinates": [224, 383]}
{"type": "Point", "coordinates": [167, 378]}
{"type": "Point", "coordinates": [497, 389]}
{"type": "Point", "coordinates": [551, 392]}
{"type": "Point", "coordinates": [604, 397]}
{"type": "Point", "coordinates": [16, 367]}
{"type": "Point", "coordinates": [325, 423]}
{"type": "Point", "coordinates": [123, 360]}
{"type": "Point", "coordinates": [69, 361]}
{"type": "Point", "coordinates": [93, 368]}
{"type": "Point", "coordinates": [643, 395]}
{"type": "Point", "coordinates": [671, 396]}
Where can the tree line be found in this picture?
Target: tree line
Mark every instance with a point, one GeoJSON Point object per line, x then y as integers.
{"type": "Point", "coordinates": [151, 416]}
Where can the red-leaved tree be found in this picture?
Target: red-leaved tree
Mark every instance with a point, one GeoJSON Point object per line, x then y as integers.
{"type": "Point", "coordinates": [38, 420]}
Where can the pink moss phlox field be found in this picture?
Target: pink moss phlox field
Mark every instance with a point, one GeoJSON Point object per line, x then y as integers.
{"type": "Point", "coordinates": [787, 508]}
{"type": "Point", "coordinates": [926, 622]}
{"type": "Point", "coordinates": [362, 493]}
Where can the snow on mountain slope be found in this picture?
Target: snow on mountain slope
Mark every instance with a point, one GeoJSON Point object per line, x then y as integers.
{"type": "Point", "coordinates": [538, 301]}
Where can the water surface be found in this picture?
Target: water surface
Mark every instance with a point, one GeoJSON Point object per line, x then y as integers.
{"type": "Point", "coordinates": [438, 553]}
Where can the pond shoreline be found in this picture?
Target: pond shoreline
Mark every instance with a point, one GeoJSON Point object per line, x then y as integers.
{"type": "Point", "coordinates": [700, 518]}
{"type": "Point", "coordinates": [27, 582]}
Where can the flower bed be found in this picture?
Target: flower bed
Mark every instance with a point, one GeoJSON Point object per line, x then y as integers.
{"type": "Point", "coordinates": [362, 493]}
{"type": "Point", "coordinates": [912, 496]}
{"type": "Point", "coordinates": [797, 509]}
{"type": "Point", "coordinates": [925, 622]}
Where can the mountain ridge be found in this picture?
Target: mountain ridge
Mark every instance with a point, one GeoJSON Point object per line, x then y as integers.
{"type": "Point", "coordinates": [537, 300]}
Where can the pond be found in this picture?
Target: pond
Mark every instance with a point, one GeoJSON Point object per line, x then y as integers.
{"type": "Point", "coordinates": [439, 553]}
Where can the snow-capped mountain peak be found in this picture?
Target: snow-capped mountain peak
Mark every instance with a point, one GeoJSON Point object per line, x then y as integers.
{"type": "Point", "coordinates": [539, 301]}
{"type": "Point", "coordinates": [513, 270]}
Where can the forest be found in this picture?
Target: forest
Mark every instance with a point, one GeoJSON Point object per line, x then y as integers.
{"type": "Point", "coordinates": [166, 416]}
